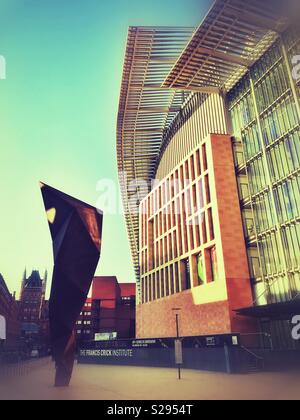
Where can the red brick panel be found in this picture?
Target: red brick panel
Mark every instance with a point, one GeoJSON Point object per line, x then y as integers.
{"type": "Point", "coordinates": [157, 319]}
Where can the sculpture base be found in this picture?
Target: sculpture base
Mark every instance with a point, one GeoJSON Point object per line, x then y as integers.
{"type": "Point", "coordinates": [65, 364]}
{"type": "Point", "coordinates": [63, 376]}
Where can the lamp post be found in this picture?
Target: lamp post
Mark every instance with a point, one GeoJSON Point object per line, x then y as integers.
{"type": "Point", "coordinates": [178, 343]}
{"type": "Point", "coordinates": [177, 325]}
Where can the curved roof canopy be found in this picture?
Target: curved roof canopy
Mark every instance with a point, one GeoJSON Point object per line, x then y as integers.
{"type": "Point", "coordinates": [232, 37]}
{"type": "Point", "coordinates": [146, 109]}
{"type": "Point", "coordinates": [164, 65]}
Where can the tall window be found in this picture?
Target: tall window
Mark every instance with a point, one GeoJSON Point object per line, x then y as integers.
{"type": "Point", "coordinates": [200, 269]}
{"type": "Point", "coordinates": [188, 273]}
{"type": "Point", "coordinates": [213, 264]}
{"type": "Point", "coordinates": [185, 274]}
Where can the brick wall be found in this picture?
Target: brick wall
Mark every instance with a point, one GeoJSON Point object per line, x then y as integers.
{"type": "Point", "coordinates": [209, 308]}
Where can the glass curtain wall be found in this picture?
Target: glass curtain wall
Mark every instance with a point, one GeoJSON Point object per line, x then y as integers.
{"type": "Point", "coordinates": [265, 113]}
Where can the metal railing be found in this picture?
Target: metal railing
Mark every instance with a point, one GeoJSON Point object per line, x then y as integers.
{"type": "Point", "coordinates": [257, 341]}
{"type": "Point", "coordinates": [259, 360]}
{"type": "Point", "coordinates": [22, 368]}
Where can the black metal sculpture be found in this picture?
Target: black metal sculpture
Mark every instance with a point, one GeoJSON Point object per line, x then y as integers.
{"type": "Point", "coordinates": [76, 230]}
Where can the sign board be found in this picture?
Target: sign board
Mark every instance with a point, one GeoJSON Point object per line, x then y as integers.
{"type": "Point", "coordinates": [106, 353]}
{"type": "Point", "coordinates": [106, 336]}
{"type": "Point", "coordinates": [145, 343]}
{"type": "Point", "coordinates": [178, 352]}
{"type": "Point", "coordinates": [2, 328]}
{"type": "Point", "coordinates": [30, 328]}
{"type": "Point", "coordinates": [235, 340]}
{"type": "Point", "coordinates": [210, 341]}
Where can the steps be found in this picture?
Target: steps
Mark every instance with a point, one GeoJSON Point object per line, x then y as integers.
{"type": "Point", "coordinates": [252, 362]}
{"type": "Point", "coordinates": [254, 366]}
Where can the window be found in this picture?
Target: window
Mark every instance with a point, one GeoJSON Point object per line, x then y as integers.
{"type": "Point", "coordinates": [166, 277]}
{"type": "Point", "coordinates": [207, 190]}
{"type": "Point", "coordinates": [172, 282]}
{"type": "Point", "coordinates": [151, 261]}
{"type": "Point", "coordinates": [255, 267]}
{"type": "Point", "coordinates": [176, 277]}
{"type": "Point", "coordinates": [161, 284]}
{"type": "Point", "coordinates": [204, 158]}
{"type": "Point", "coordinates": [200, 269]}
{"type": "Point", "coordinates": [243, 187]}
{"type": "Point", "coordinates": [211, 224]}
{"type": "Point", "coordinates": [185, 274]}
{"type": "Point", "coordinates": [250, 226]}
{"type": "Point", "coordinates": [212, 265]}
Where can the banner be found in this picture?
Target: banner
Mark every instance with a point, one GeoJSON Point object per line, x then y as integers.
{"type": "Point", "coordinates": [2, 328]}
{"type": "Point", "coordinates": [178, 352]}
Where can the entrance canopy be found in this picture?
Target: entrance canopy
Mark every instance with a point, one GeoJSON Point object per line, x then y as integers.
{"type": "Point", "coordinates": [277, 311]}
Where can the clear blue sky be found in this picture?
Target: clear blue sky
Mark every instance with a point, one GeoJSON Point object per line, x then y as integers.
{"type": "Point", "coordinates": [58, 110]}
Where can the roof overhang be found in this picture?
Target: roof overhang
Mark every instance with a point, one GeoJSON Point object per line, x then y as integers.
{"type": "Point", "coordinates": [232, 37]}
{"type": "Point", "coordinates": [146, 109]}
{"type": "Point", "coordinates": [164, 66]}
{"type": "Point", "coordinates": [276, 311]}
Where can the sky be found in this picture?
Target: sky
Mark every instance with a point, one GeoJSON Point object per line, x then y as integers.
{"type": "Point", "coordinates": [58, 113]}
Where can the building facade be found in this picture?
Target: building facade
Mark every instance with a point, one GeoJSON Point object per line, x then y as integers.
{"type": "Point", "coordinates": [216, 125]}
{"type": "Point", "coordinates": [33, 307]}
{"type": "Point", "coordinates": [109, 311]}
{"type": "Point", "coordinates": [9, 311]}
{"type": "Point", "coordinates": [265, 112]}
{"type": "Point", "coordinates": [191, 257]}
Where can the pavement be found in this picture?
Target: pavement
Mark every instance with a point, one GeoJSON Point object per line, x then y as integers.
{"type": "Point", "coordinates": [91, 382]}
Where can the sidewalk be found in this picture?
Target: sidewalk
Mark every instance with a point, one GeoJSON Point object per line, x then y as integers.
{"type": "Point", "coordinates": [134, 383]}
